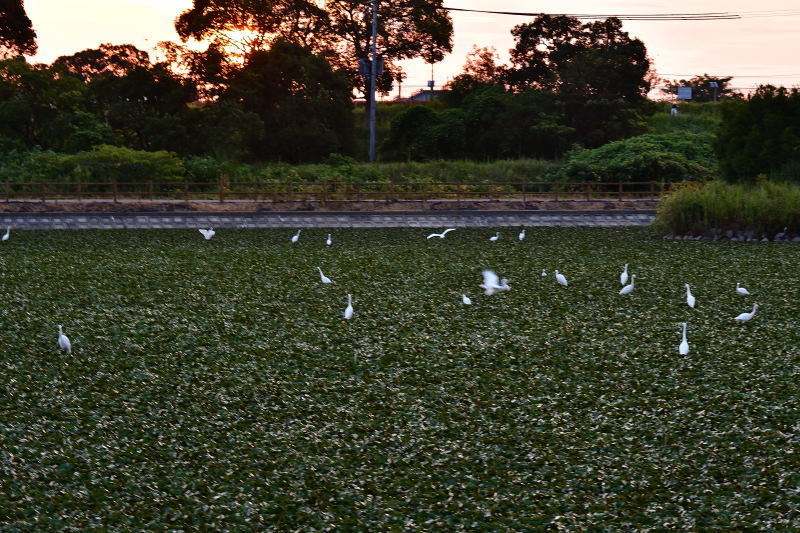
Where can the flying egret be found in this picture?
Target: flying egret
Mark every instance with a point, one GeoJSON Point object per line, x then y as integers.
{"type": "Point", "coordinates": [683, 349]}
{"type": "Point", "coordinates": [741, 290]}
{"type": "Point", "coordinates": [689, 297]}
{"type": "Point", "coordinates": [442, 234]}
{"type": "Point", "coordinates": [348, 311]}
{"type": "Point", "coordinates": [325, 279]}
{"type": "Point", "coordinates": [207, 233]}
{"type": "Point", "coordinates": [623, 278]}
{"type": "Point", "coordinates": [492, 284]}
{"type": "Point", "coordinates": [63, 341]}
{"type": "Point", "coordinates": [329, 241]}
{"type": "Point", "coordinates": [496, 236]}
{"type": "Point", "coordinates": [627, 289]}
{"type": "Point", "coordinates": [7, 234]}
{"type": "Point", "coordinates": [296, 236]}
{"type": "Point", "coordinates": [560, 278]}
{"type": "Point", "coordinates": [522, 234]}
{"type": "Point", "coordinates": [466, 299]}
{"type": "Point", "coordinates": [544, 273]}
{"type": "Point", "coordinates": [744, 317]}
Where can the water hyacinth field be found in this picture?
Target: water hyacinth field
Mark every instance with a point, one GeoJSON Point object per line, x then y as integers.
{"type": "Point", "coordinates": [215, 385]}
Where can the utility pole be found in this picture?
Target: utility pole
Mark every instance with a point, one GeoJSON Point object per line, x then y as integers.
{"type": "Point", "coordinates": [372, 74]}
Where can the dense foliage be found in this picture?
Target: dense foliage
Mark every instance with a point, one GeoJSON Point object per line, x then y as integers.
{"type": "Point", "coordinates": [760, 210]}
{"type": "Point", "coordinates": [17, 36]}
{"type": "Point", "coordinates": [666, 157]}
{"type": "Point", "coordinates": [761, 135]}
{"type": "Point", "coordinates": [215, 385]}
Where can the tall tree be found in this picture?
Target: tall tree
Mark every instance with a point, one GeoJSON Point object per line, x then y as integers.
{"type": "Point", "coordinates": [591, 60]}
{"type": "Point", "coordinates": [107, 59]}
{"type": "Point", "coordinates": [16, 30]}
{"type": "Point", "coordinates": [342, 29]}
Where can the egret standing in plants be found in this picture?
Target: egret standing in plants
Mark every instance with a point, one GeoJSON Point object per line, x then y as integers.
{"type": "Point", "coordinates": [348, 311]}
{"type": "Point", "coordinates": [683, 349]}
{"type": "Point", "coordinates": [7, 234]}
{"type": "Point", "coordinates": [689, 297]}
{"type": "Point", "coordinates": [329, 241]}
{"type": "Point", "coordinates": [496, 236]}
{"type": "Point", "coordinates": [296, 236]}
{"type": "Point", "coordinates": [323, 278]}
{"type": "Point", "coordinates": [63, 341]}
{"type": "Point", "coordinates": [744, 317]}
{"type": "Point", "coordinates": [207, 233]}
{"type": "Point", "coordinates": [522, 234]}
{"type": "Point", "coordinates": [623, 278]}
{"type": "Point", "coordinates": [466, 299]}
{"type": "Point", "coordinates": [741, 290]}
{"type": "Point", "coordinates": [561, 279]}
{"type": "Point", "coordinates": [627, 289]}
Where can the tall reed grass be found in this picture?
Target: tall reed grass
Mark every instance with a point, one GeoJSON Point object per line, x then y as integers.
{"type": "Point", "coordinates": [764, 209]}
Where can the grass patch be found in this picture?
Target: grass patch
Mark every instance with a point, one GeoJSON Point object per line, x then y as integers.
{"type": "Point", "coordinates": [763, 209]}
{"type": "Point", "coordinates": [215, 384]}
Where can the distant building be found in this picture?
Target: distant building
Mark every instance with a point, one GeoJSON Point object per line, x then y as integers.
{"type": "Point", "coordinates": [424, 95]}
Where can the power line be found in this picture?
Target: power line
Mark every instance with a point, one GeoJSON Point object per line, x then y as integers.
{"type": "Point", "coordinates": [628, 16]}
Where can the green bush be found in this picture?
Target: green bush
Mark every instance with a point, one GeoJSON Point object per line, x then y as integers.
{"type": "Point", "coordinates": [669, 157]}
{"type": "Point", "coordinates": [765, 208]}
{"type": "Point", "coordinates": [102, 164]}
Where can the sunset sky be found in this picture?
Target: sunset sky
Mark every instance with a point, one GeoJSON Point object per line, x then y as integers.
{"type": "Point", "coordinates": [760, 48]}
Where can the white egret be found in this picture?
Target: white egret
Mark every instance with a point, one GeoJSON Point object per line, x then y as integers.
{"type": "Point", "coordinates": [348, 311]}
{"type": "Point", "coordinates": [466, 299]}
{"type": "Point", "coordinates": [683, 349]}
{"type": "Point", "coordinates": [741, 290]}
{"type": "Point", "coordinates": [496, 236]}
{"type": "Point", "coordinates": [627, 289]}
{"type": "Point", "coordinates": [744, 317]}
{"type": "Point", "coordinates": [689, 297]}
{"type": "Point", "coordinates": [522, 234]}
{"type": "Point", "coordinates": [296, 236]}
{"type": "Point", "coordinates": [63, 341]}
{"type": "Point", "coordinates": [207, 233]}
{"type": "Point", "coordinates": [544, 273]}
{"type": "Point", "coordinates": [325, 279]}
{"type": "Point", "coordinates": [623, 278]}
{"type": "Point", "coordinates": [560, 278]}
{"type": "Point", "coordinates": [442, 234]}
{"type": "Point", "coordinates": [7, 234]}
{"type": "Point", "coordinates": [329, 241]}
{"type": "Point", "coordinates": [492, 284]}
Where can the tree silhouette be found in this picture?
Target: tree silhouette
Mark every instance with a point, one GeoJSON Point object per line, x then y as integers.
{"type": "Point", "coordinates": [16, 31]}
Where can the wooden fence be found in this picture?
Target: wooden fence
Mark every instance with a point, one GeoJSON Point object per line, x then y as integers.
{"type": "Point", "coordinates": [329, 191]}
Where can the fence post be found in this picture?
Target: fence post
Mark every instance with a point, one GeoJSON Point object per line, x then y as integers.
{"type": "Point", "coordinates": [619, 194]}
{"type": "Point", "coordinates": [652, 189]}
{"type": "Point", "coordinates": [79, 191]}
{"type": "Point", "coordinates": [185, 191]}
{"type": "Point", "coordinates": [8, 190]}
{"type": "Point", "coordinates": [588, 191]}
{"type": "Point", "coordinates": [114, 190]}
{"type": "Point", "coordinates": [289, 192]}
{"type": "Point", "coordinates": [357, 185]}
{"type": "Point", "coordinates": [221, 189]}
{"type": "Point", "coordinates": [150, 190]}
{"type": "Point", "coordinates": [324, 196]}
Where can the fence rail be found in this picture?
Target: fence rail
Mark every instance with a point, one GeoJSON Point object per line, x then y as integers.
{"type": "Point", "coordinates": [330, 191]}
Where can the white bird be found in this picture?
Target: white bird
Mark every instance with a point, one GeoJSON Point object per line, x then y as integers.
{"type": "Point", "coordinates": [683, 349]}
{"type": "Point", "coordinates": [544, 273]}
{"type": "Point", "coordinates": [689, 297]}
{"type": "Point", "coordinates": [296, 236]}
{"type": "Point", "coordinates": [207, 233]}
{"type": "Point", "coordinates": [522, 234]}
{"type": "Point", "coordinates": [744, 317]}
{"type": "Point", "coordinates": [7, 234]}
{"type": "Point", "coordinates": [627, 289]}
{"type": "Point", "coordinates": [560, 278]}
{"type": "Point", "coordinates": [741, 290]}
{"type": "Point", "coordinates": [442, 234]}
{"type": "Point", "coordinates": [329, 241]}
{"type": "Point", "coordinates": [466, 299]}
{"type": "Point", "coordinates": [492, 284]}
{"type": "Point", "coordinates": [323, 277]}
{"type": "Point", "coordinates": [63, 341]}
{"type": "Point", "coordinates": [496, 236]}
{"type": "Point", "coordinates": [623, 278]}
{"type": "Point", "coordinates": [348, 311]}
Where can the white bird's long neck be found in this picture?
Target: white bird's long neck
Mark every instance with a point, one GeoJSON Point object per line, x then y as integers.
{"type": "Point", "coordinates": [755, 306]}
{"type": "Point", "coordinates": [349, 300]}
{"type": "Point", "coordinates": [684, 332]}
